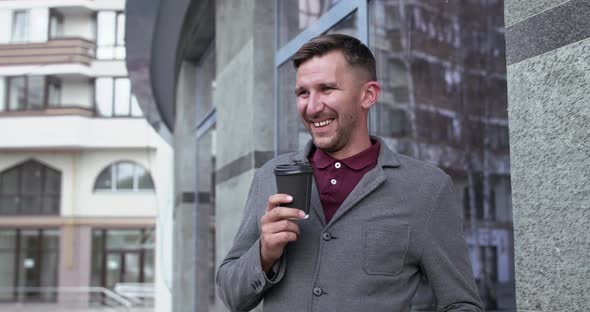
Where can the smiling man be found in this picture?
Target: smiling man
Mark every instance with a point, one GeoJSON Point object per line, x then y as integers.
{"type": "Point", "coordinates": [380, 221]}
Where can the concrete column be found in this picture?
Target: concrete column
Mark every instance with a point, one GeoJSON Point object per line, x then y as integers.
{"type": "Point", "coordinates": [548, 57]}
{"type": "Point", "coordinates": [245, 109]}
{"type": "Point", "coordinates": [75, 263]}
{"type": "Point", "coordinates": [183, 285]}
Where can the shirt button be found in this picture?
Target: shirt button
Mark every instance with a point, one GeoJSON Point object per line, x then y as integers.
{"type": "Point", "coordinates": [337, 165]}
{"type": "Point", "coordinates": [317, 291]}
{"type": "Point", "coordinates": [333, 181]}
{"type": "Point", "coordinates": [327, 236]}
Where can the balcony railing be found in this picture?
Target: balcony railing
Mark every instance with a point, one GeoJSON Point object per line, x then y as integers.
{"type": "Point", "coordinates": [54, 51]}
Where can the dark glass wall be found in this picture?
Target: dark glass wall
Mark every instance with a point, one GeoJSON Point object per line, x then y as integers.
{"type": "Point", "coordinates": [443, 73]}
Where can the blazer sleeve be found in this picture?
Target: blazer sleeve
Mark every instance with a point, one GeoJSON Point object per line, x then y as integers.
{"type": "Point", "coordinates": [445, 259]}
{"type": "Point", "coordinates": [240, 280]}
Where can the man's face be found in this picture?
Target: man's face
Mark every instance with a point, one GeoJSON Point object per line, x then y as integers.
{"type": "Point", "coordinates": [329, 93]}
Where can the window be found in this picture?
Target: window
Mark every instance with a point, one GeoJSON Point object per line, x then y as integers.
{"type": "Point", "coordinates": [20, 26]}
{"type": "Point", "coordinates": [28, 258]}
{"type": "Point", "coordinates": [124, 176]}
{"type": "Point", "coordinates": [122, 256]}
{"type": "Point", "coordinates": [56, 24]}
{"type": "Point", "coordinates": [113, 98]}
{"type": "Point", "coordinates": [111, 37]}
{"type": "Point", "coordinates": [32, 92]}
{"type": "Point", "coordinates": [30, 188]}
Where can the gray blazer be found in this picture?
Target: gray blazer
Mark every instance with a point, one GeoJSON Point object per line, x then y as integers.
{"type": "Point", "coordinates": [401, 221]}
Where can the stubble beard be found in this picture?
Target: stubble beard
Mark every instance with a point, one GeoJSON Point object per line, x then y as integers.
{"type": "Point", "coordinates": [337, 141]}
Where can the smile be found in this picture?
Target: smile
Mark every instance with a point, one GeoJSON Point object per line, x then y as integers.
{"type": "Point", "coordinates": [322, 123]}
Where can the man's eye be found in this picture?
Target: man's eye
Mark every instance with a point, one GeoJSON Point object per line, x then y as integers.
{"type": "Point", "coordinates": [327, 89]}
{"type": "Point", "coordinates": [302, 93]}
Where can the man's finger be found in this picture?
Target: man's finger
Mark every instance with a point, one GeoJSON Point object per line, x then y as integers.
{"type": "Point", "coordinates": [277, 199]}
{"type": "Point", "coordinates": [280, 213]}
{"type": "Point", "coordinates": [281, 226]}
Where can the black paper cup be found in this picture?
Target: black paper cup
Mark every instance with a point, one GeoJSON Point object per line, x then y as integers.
{"type": "Point", "coordinates": [295, 180]}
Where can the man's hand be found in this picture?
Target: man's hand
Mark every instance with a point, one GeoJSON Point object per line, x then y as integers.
{"type": "Point", "coordinates": [278, 229]}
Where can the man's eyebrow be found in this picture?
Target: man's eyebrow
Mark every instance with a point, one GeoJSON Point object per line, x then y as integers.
{"type": "Point", "coordinates": [328, 84]}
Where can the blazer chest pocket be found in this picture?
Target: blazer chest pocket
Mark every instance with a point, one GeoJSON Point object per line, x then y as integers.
{"type": "Point", "coordinates": [385, 249]}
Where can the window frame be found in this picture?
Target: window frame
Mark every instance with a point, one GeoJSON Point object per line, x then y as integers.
{"type": "Point", "coordinates": [116, 42]}
{"type": "Point", "coordinates": [113, 167]}
{"type": "Point", "coordinates": [27, 32]}
{"type": "Point", "coordinates": [41, 251]}
{"type": "Point", "coordinates": [59, 17]}
{"type": "Point", "coordinates": [113, 106]}
{"type": "Point", "coordinates": [43, 194]}
{"type": "Point", "coordinates": [47, 79]}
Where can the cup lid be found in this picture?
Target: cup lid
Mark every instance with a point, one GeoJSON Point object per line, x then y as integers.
{"type": "Point", "coordinates": [300, 168]}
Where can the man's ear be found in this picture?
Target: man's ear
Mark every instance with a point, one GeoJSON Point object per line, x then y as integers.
{"type": "Point", "coordinates": [371, 91]}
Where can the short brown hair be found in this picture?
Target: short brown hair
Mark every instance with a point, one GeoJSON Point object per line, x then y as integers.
{"type": "Point", "coordinates": [355, 52]}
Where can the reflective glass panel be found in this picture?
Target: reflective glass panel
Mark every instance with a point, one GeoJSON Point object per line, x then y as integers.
{"type": "Point", "coordinates": [296, 15]}
{"type": "Point", "coordinates": [16, 93]}
{"type": "Point", "coordinates": [441, 65]}
{"type": "Point", "coordinates": [104, 96]}
{"type": "Point", "coordinates": [36, 92]}
{"type": "Point", "coordinates": [120, 29]}
{"type": "Point", "coordinates": [144, 180]}
{"type": "Point", "coordinates": [124, 174]}
{"type": "Point", "coordinates": [122, 97]}
{"type": "Point", "coordinates": [104, 180]}
{"type": "Point", "coordinates": [124, 239]}
{"type": "Point", "coordinates": [20, 26]}
{"type": "Point", "coordinates": [106, 25]}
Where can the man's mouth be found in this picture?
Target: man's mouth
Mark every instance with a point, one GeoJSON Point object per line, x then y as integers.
{"type": "Point", "coordinates": [322, 123]}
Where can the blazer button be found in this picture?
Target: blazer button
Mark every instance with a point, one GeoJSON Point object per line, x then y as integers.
{"type": "Point", "coordinates": [317, 291]}
{"type": "Point", "coordinates": [327, 236]}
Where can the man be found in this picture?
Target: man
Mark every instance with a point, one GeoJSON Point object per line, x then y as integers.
{"type": "Point", "coordinates": [379, 221]}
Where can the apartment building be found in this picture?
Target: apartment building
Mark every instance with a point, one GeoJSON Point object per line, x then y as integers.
{"type": "Point", "coordinates": [82, 174]}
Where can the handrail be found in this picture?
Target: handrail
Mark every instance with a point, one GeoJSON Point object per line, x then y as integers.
{"type": "Point", "coordinates": [107, 292]}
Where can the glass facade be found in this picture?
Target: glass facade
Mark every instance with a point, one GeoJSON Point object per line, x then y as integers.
{"type": "Point", "coordinates": [441, 66]}
{"type": "Point", "coordinates": [296, 15]}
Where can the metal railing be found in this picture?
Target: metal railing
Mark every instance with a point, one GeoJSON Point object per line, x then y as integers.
{"type": "Point", "coordinates": [63, 299]}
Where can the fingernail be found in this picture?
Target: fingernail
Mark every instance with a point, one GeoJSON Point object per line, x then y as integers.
{"type": "Point", "coordinates": [290, 198]}
{"type": "Point", "coordinates": [301, 214]}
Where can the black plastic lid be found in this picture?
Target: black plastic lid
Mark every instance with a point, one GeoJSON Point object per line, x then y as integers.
{"type": "Point", "coordinates": [300, 168]}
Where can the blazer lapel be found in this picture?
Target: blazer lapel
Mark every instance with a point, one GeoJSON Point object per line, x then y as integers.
{"type": "Point", "coordinates": [316, 204]}
{"type": "Point", "coordinates": [370, 181]}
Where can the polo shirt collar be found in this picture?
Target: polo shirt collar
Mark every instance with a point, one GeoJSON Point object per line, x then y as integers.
{"type": "Point", "coordinates": [387, 157]}
{"type": "Point", "coordinates": [356, 162]}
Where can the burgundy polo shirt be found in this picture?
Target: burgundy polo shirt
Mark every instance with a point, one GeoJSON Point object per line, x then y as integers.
{"type": "Point", "coordinates": [335, 179]}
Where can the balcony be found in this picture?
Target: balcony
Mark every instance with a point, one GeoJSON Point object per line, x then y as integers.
{"type": "Point", "coordinates": [55, 51]}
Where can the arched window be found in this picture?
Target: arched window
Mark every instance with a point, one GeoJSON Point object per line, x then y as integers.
{"type": "Point", "coordinates": [124, 176]}
{"type": "Point", "coordinates": [30, 188]}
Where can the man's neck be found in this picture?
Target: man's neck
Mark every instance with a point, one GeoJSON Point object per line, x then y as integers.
{"type": "Point", "coordinates": [351, 149]}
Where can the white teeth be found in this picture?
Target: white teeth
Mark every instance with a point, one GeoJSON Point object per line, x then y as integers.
{"type": "Point", "coordinates": [322, 123]}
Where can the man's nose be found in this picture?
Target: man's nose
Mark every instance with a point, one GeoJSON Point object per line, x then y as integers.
{"type": "Point", "coordinates": [315, 104]}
